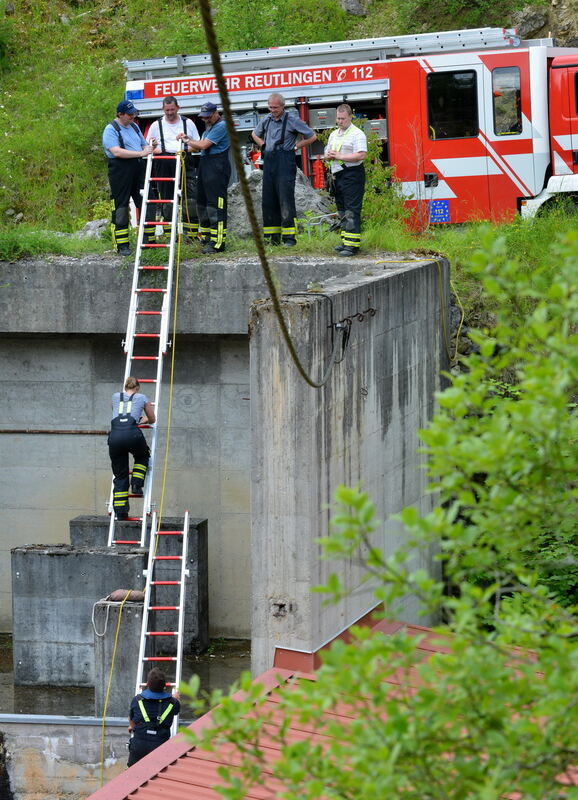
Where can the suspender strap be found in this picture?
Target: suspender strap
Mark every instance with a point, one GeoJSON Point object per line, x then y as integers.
{"type": "Point", "coordinates": [167, 711]}
{"type": "Point", "coordinates": [116, 126]}
{"type": "Point", "coordinates": [121, 404]}
{"type": "Point", "coordinates": [162, 136]}
{"type": "Point", "coordinates": [143, 710]}
{"type": "Point", "coordinates": [162, 717]}
{"type": "Point", "coordinates": [278, 144]}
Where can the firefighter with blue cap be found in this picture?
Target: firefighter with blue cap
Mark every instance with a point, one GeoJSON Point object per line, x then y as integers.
{"type": "Point", "coordinates": [125, 148]}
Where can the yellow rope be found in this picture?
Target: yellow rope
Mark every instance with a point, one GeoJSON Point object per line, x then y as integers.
{"type": "Point", "coordinates": [107, 696]}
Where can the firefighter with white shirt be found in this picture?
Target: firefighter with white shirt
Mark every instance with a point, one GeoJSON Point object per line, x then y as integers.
{"type": "Point", "coordinates": [165, 131]}
{"type": "Point", "coordinates": [345, 152]}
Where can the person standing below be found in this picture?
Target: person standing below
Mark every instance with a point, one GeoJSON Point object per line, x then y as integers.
{"type": "Point", "coordinates": [150, 717]}
{"type": "Point", "coordinates": [346, 150]}
{"type": "Point", "coordinates": [276, 135]}
{"type": "Point", "coordinates": [129, 408]}
{"type": "Point", "coordinates": [213, 181]}
{"type": "Point", "coordinates": [165, 131]}
{"type": "Point", "coordinates": [125, 147]}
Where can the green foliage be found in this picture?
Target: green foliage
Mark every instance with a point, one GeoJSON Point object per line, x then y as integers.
{"type": "Point", "coordinates": [414, 16]}
{"type": "Point", "coordinates": [22, 241]}
{"type": "Point", "coordinates": [280, 23]}
{"type": "Point", "coordinates": [493, 713]}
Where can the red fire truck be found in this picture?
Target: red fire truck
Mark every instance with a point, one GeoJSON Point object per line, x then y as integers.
{"type": "Point", "coordinates": [478, 124]}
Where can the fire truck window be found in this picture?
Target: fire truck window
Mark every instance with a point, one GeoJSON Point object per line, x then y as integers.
{"type": "Point", "coordinates": [506, 101]}
{"type": "Point", "coordinates": [452, 102]}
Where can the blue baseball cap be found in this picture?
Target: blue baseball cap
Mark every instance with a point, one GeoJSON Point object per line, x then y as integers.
{"type": "Point", "coordinates": [127, 107]}
{"type": "Point", "coordinates": [207, 110]}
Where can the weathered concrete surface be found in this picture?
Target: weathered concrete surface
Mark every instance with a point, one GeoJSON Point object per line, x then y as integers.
{"type": "Point", "coordinates": [60, 361]}
{"type": "Point", "coordinates": [51, 758]}
{"type": "Point", "coordinates": [361, 427]}
{"type": "Point", "coordinates": [53, 592]}
{"type": "Point", "coordinates": [88, 295]}
{"type": "Point", "coordinates": [118, 654]}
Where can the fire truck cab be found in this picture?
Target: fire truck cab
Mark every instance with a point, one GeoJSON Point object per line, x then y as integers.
{"type": "Point", "coordinates": [477, 124]}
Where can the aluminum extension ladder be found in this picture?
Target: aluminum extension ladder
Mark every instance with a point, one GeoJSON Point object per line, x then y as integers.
{"type": "Point", "coordinates": [166, 576]}
{"type": "Point", "coordinates": [146, 340]}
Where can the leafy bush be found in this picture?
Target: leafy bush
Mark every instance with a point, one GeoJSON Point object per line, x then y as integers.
{"type": "Point", "coordinates": [479, 720]}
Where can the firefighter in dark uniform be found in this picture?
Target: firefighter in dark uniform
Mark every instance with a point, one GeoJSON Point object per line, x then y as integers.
{"type": "Point", "coordinates": [346, 150]}
{"type": "Point", "coordinates": [150, 717]}
{"type": "Point", "coordinates": [277, 135]}
{"type": "Point", "coordinates": [213, 179]}
{"type": "Point", "coordinates": [165, 131]}
{"type": "Point", "coordinates": [125, 147]}
{"type": "Point", "coordinates": [128, 409]}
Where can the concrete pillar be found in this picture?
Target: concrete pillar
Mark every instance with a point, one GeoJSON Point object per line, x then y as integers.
{"type": "Point", "coordinates": [54, 589]}
{"type": "Point", "coordinates": [122, 660]}
{"type": "Point", "coordinates": [361, 427]}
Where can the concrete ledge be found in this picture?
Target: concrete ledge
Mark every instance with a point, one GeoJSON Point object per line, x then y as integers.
{"type": "Point", "coordinates": [84, 293]}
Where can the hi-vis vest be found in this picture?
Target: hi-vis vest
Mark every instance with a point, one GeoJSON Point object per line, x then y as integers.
{"type": "Point", "coordinates": [336, 143]}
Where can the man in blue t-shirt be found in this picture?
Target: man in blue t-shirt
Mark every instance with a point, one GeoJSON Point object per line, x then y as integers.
{"type": "Point", "coordinates": [125, 148]}
{"type": "Point", "coordinates": [214, 174]}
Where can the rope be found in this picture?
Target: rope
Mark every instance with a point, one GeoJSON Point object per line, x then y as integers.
{"type": "Point", "coordinates": [100, 635]}
{"type": "Point", "coordinates": [109, 685]}
{"type": "Point", "coordinates": [207, 19]}
{"type": "Point", "coordinates": [462, 318]}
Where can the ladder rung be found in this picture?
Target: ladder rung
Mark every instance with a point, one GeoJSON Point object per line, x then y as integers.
{"type": "Point", "coordinates": [165, 583]}
{"type": "Point", "coordinates": [150, 291]}
{"type": "Point", "coordinates": [162, 633]}
{"type": "Point", "coordinates": [162, 179]}
{"type": "Point", "coordinates": [156, 245]}
{"type": "Point", "coordinates": [144, 425]}
{"type": "Point", "coordinates": [126, 541]}
{"type": "Point", "coordinates": [167, 558]}
{"type": "Point", "coordinates": [164, 202]}
{"type": "Point", "coordinates": [148, 313]}
{"type": "Point", "coordinates": [145, 335]}
{"type": "Point", "coordinates": [164, 608]}
{"type": "Point", "coordinates": [169, 533]}
{"type": "Point", "coordinates": [145, 358]}
{"type": "Point", "coordinates": [169, 155]}
{"type": "Point", "coordinates": [159, 658]}
{"type": "Point", "coordinates": [151, 268]}
{"type": "Point", "coordinates": [147, 380]}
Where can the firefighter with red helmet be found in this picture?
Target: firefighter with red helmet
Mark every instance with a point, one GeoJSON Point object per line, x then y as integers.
{"type": "Point", "coordinates": [277, 136]}
{"type": "Point", "coordinates": [346, 150]}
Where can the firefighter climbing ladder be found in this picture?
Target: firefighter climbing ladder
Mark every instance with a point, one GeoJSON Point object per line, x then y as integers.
{"type": "Point", "coordinates": [164, 605]}
{"type": "Point", "coordinates": [146, 340]}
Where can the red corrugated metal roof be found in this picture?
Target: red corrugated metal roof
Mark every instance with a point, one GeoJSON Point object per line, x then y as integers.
{"type": "Point", "coordinates": [176, 771]}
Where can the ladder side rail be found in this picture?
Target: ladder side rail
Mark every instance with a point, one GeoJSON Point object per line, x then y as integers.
{"type": "Point", "coordinates": [149, 480]}
{"type": "Point", "coordinates": [424, 42]}
{"type": "Point", "coordinates": [146, 604]}
{"type": "Point", "coordinates": [181, 619]}
{"type": "Point", "coordinates": [131, 323]}
{"type": "Point", "coordinates": [167, 299]}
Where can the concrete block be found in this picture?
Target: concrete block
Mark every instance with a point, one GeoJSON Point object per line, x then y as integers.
{"type": "Point", "coordinates": [53, 592]}
{"type": "Point", "coordinates": [115, 657]}
{"type": "Point", "coordinates": [359, 428]}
